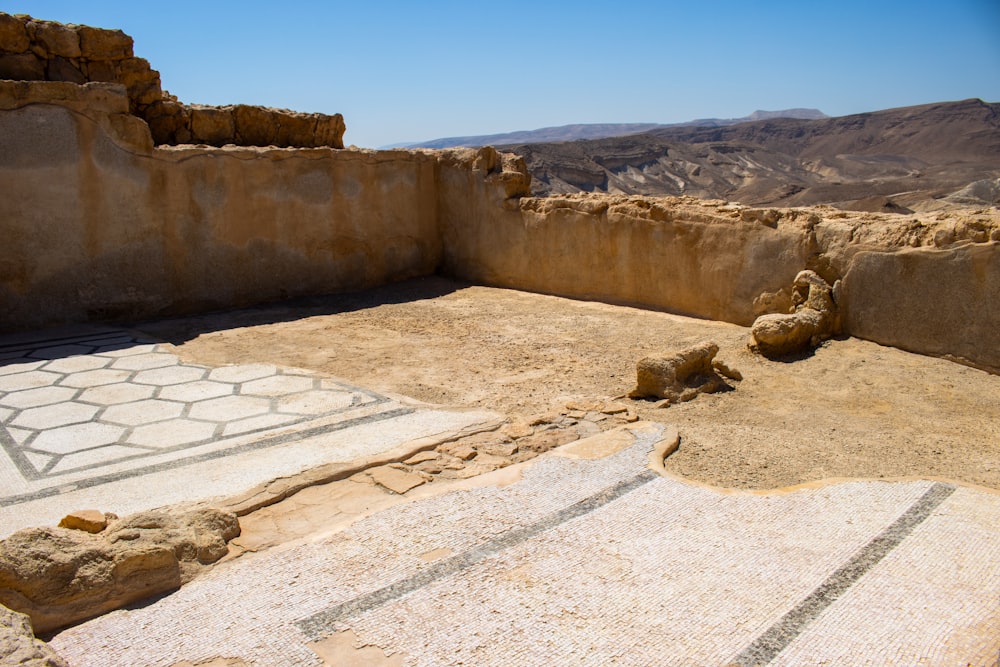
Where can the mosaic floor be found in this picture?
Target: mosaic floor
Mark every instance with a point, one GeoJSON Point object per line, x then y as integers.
{"type": "Point", "coordinates": [602, 563]}
{"type": "Point", "coordinates": [92, 409]}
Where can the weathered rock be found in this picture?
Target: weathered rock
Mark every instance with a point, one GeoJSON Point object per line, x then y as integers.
{"type": "Point", "coordinates": [101, 44]}
{"type": "Point", "coordinates": [778, 335]}
{"type": "Point", "coordinates": [90, 521]}
{"type": "Point", "coordinates": [18, 645]}
{"type": "Point", "coordinates": [546, 440]}
{"type": "Point", "coordinates": [22, 67]}
{"type": "Point", "coordinates": [678, 377]}
{"type": "Point", "coordinates": [55, 38]}
{"type": "Point", "coordinates": [212, 125]}
{"type": "Point", "coordinates": [13, 34]}
{"type": "Point", "coordinates": [61, 69]}
{"type": "Point", "coordinates": [814, 320]}
{"type": "Point", "coordinates": [459, 450]}
{"type": "Point", "coordinates": [59, 576]}
{"type": "Point", "coordinates": [395, 480]}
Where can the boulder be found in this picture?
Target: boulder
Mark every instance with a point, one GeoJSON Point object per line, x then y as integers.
{"type": "Point", "coordinates": [680, 376]}
{"type": "Point", "coordinates": [18, 645]}
{"type": "Point", "coordinates": [59, 576]}
{"type": "Point", "coordinates": [814, 319]}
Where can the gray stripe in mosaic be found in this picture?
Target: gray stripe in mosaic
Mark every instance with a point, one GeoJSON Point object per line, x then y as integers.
{"type": "Point", "coordinates": [767, 647]}
{"type": "Point", "coordinates": [319, 625]}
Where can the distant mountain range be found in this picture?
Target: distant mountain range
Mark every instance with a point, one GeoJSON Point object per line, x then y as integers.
{"type": "Point", "coordinates": [911, 158]}
{"type": "Point", "coordinates": [599, 130]}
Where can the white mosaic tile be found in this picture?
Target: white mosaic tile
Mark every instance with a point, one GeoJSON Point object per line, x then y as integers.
{"type": "Point", "coordinates": [196, 391]}
{"type": "Point", "coordinates": [278, 385]}
{"type": "Point", "coordinates": [170, 375]}
{"type": "Point", "coordinates": [28, 380]}
{"type": "Point", "coordinates": [315, 402]}
{"type": "Point", "coordinates": [30, 398]}
{"type": "Point", "coordinates": [142, 412]}
{"type": "Point", "coordinates": [142, 362]}
{"type": "Point", "coordinates": [95, 378]}
{"type": "Point", "coordinates": [245, 373]}
{"type": "Point", "coordinates": [93, 457]}
{"type": "Point", "coordinates": [68, 439]}
{"type": "Point", "coordinates": [229, 408]}
{"type": "Point", "coordinates": [53, 416]}
{"type": "Point", "coordinates": [119, 392]}
{"type": "Point", "coordinates": [75, 364]}
{"type": "Point", "coordinates": [172, 433]}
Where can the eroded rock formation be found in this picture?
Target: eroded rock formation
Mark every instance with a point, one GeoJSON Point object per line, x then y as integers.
{"type": "Point", "coordinates": [683, 375]}
{"type": "Point", "coordinates": [60, 576]}
{"type": "Point", "coordinates": [36, 50]}
{"type": "Point", "coordinates": [18, 645]}
{"type": "Point", "coordinates": [813, 320]}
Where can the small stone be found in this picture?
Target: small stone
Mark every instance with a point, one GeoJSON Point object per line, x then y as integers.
{"type": "Point", "coordinates": [91, 521]}
{"type": "Point", "coordinates": [583, 405]}
{"type": "Point", "coordinates": [421, 457]}
{"type": "Point", "coordinates": [546, 440]}
{"type": "Point", "coordinates": [613, 408]}
{"type": "Point", "coordinates": [458, 449]}
{"type": "Point", "coordinates": [517, 430]}
{"type": "Point", "coordinates": [394, 480]}
{"type": "Point", "coordinates": [501, 449]}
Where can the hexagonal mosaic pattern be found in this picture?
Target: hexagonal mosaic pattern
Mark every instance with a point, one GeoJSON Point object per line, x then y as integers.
{"type": "Point", "coordinates": [89, 402]}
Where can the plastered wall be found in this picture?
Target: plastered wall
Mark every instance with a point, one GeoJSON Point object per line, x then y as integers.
{"type": "Point", "coordinates": [97, 224]}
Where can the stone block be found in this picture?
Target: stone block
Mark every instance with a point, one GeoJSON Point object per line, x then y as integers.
{"type": "Point", "coordinates": [56, 39]}
{"type": "Point", "coordinates": [102, 70]}
{"type": "Point", "coordinates": [101, 44]}
{"type": "Point", "coordinates": [212, 125]}
{"type": "Point", "coordinates": [61, 69]}
{"type": "Point", "coordinates": [22, 67]}
{"type": "Point", "coordinates": [255, 126]}
{"type": "Point", "coordinates": [329, 131]}
{"type": "Point", "coordinates": [13, 34]}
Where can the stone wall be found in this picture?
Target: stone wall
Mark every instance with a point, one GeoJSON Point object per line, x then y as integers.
{"type": "Point", "coordinates": [35, 50]}
{"type": "Point", "coordinates": [98, 224]}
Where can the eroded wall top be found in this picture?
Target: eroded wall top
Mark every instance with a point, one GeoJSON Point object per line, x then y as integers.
{"type": "Point", "coordinates": [36, 50]}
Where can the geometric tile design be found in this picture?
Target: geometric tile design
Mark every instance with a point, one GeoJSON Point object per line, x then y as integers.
{"type": "Point", "coordinates": [90, 401]}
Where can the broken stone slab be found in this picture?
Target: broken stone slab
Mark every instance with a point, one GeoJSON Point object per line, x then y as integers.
{"type": "Point", "coordinates": [458, 449]}
{"type": "Point", "coordinates": [680, 376]}
{"type": "Point", "coordinates": [59, 576]}
{"type": "Point", "coordinates": [91, 521]}
{"type": "Point", "coordinates": [395, 480]}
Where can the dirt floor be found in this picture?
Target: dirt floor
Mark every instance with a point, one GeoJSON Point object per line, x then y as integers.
{"type": "Point", "coordinates": [853, 409]}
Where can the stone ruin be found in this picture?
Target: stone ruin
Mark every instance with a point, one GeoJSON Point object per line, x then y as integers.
{"type": "Point", "coordinates": [812, 320]}
{"type": "Point", "coordinates": [35, 50]}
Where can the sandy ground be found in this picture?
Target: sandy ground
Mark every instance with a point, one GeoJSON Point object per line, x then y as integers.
{"type": "Point", "coordinates": [853, 409]}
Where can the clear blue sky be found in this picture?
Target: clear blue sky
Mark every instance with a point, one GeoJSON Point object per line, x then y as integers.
{"type": "Point", "coordinates": [409, 71]}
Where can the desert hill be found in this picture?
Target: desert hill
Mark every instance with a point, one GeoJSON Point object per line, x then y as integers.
{"type": "Point", "coordinates": [920, 158]}
{"type": "Point", "coordinates": [598, 130]}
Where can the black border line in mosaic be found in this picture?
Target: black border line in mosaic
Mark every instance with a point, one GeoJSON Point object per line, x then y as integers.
{"type": "Point", "coordinates": [318, 625]}
{"type": "Point", "coordinates": [777, 638]}
{"type": "Point", "coordinates": [206, 456]}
